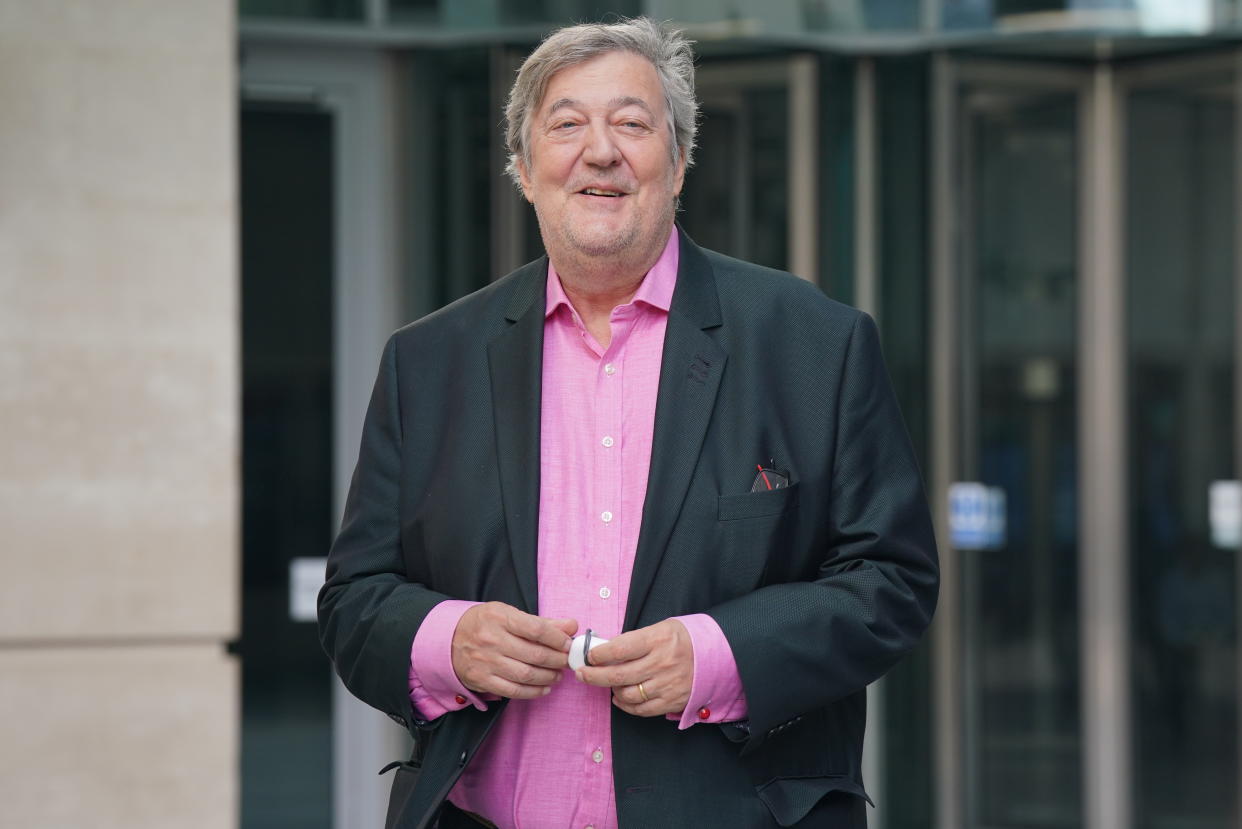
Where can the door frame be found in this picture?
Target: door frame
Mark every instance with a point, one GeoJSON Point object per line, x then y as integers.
{"type": "Point", "coordinates": [1103, 501]}
{"type": "Point", "coordinates": [1185, 69]}
{"type": "Point", "coordinates": [722, 84]}
{"type": "Point", "coordinates": [360, 89]}
{"type": "Point", "coordinates": [1104, 575]}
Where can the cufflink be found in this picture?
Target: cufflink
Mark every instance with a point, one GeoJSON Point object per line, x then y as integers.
{"type": "Point", "coordinates": [580, 647]}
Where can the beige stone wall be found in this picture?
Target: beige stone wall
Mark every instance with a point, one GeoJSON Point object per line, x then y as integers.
{"type": "Point", "coordinates": [119, 435]}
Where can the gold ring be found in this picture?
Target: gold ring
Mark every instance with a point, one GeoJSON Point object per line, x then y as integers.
{"type": "Point", "coordinates": [642, 692]}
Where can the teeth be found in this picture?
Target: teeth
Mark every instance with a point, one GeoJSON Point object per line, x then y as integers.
{"type": "Point", "coordinates": [591, 191]}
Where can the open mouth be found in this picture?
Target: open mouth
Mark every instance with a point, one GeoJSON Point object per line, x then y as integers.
{"type": "Point", "coordinates": [597, 191]}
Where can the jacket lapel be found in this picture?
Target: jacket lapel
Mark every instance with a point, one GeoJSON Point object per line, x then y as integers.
{"type": "Point", "coordinates": [515, 362]}
{"type": "Point", "coordinates": [690, 373]}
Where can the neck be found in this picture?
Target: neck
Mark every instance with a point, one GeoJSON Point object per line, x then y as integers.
{"type": "Point", "coordinates": [596, 285]}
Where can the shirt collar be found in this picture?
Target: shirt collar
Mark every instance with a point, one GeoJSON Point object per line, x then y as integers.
{"type": "Point", "coordinates": [656, 289]}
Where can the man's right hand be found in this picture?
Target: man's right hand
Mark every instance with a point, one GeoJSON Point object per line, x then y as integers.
{"type": "Point", "coordinates": [498, 649]}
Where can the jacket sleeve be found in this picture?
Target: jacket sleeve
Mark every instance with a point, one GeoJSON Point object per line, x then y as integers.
{"type": "Point", "coordinates": [369, 612]}
{"type": "Point", "coordinates": [877, 582]}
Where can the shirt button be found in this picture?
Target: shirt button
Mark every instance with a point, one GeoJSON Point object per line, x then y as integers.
{"type": "Point", "coordinates": [604, 592]}
{"type": "Point", "coordinates": [607, 441]}
{"type": "Point", "coordinates": [459, 699]}
{"type": "Point", "coordinates": [605, 516]}
{"type": "Point", "coordinates": [597, 756]}
{"type": "Point", "coordinates": [704, 712]}
{"type": "Point", "coordinates": [610, 369]}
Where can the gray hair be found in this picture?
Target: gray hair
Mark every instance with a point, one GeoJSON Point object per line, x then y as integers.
{"type": "Point", "coordinates": [667, 50]}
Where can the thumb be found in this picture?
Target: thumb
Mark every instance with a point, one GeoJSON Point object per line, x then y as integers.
{"type": "Point", "coordinates": [569, 626]}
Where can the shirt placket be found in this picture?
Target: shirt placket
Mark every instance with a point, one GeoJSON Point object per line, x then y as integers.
{"type": "Point", "coordinates": [603, 565]}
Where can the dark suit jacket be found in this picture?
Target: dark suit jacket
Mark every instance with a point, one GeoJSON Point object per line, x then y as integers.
{"type": "Point", "coordinates": [819, 588]}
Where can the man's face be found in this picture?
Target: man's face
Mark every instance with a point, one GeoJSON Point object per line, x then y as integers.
{"type": "Point", "coordinates": [601, 175]}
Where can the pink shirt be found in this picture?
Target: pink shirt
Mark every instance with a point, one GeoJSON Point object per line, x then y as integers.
{"type": "Point", "coordinates": [548, 762]}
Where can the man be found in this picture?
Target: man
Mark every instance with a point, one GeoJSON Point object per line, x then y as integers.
{"type": "Point", "coordinates": [694, 458]}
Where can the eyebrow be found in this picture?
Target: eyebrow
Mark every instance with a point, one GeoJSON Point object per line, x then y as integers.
{"type": "Point", "coordinates": [615, 103]}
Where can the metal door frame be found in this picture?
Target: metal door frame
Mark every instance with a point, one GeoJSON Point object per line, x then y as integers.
{"type": "Point", "coordinates": [1103, 575]}
{"type": "Point", "coordinates": [799, 74]}
{"type": "Point", "coordinates": [1182, 70]}
{"type": "Point", "coordinates": [359, 88]}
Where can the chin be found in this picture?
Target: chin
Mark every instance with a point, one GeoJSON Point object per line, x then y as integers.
{"type": "Point", "coordinates": [600, 241]}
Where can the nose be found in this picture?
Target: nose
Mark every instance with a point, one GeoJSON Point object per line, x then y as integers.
{"type": "Point", "coordinates": [600, 150]}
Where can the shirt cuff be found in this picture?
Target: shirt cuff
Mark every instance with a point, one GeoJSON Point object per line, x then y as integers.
{"type": "Point", "coordinates": [716, 693]}
{"type": "Point", "coordinates": [434, 687]}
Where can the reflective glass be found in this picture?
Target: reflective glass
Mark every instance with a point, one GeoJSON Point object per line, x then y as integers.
{"type": "Point", "coordinates": [413, 10]}
{"type": "Point", "coordinates": [1181, 223]}
{"type": "Point", "coordinates": [902, 169]}
{"type": "Point", "coordinates": [304, 9]}
{"type": "Point", "coordinates": [1152, 16]}
{"type": "Point", "coordinates": [1019, 305]}
{"type": "Point", "coordinates": [286, 293]}
{"type": "Point", "coordinates": [736, 197]}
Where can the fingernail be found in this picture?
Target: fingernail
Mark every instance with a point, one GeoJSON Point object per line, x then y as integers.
{"type": "Point", "coordinates": [578, 674]}
{"type": "Point", "coordinates": [547, 689]}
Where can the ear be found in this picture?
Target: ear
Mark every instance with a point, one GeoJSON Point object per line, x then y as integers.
{"type": "Point", "coordinates": [524, 177]}
{"type": "Point", "coordinates": [679, 175]}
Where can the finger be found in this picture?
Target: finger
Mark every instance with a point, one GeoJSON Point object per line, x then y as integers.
{"type": "Point", "coordinates": [631, 696]}
{"type": "Point", "coordinates": [538, 629]}
{"type": "Point", "coordinates": [627, 647]}
{"type": "Point", "coordinates": [652, 708]}
{"type": "Point", "coordinates": [569, 626]}
{"type": "Point", "coordinates": [531, 653]}
{"type": "Point", "coordinates": [616, 676]}
{"type": "Point", "coordinates": [521, 673]}
{"type": "Point", "coordinates": [515, 690]}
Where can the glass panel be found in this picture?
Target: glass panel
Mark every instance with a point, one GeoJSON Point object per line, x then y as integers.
{"type": "Point", "coordinates": [1085, 15]}
{"type": "Point", "coordinates": [452, 175]}
{"type": "Point", "coordinates": [1020, 434]}
{"type": "Point", "coordinates": [286, 235]}
{"type": "Point", "coordinates": [306, 9]}
{"type": "Point", "coordinates": [902, 169]}
{"type": "Point", "coordinates": [414, 11]}
{"type": "Point", "coordinates": [736, 197]}
{"type": "Point", "coordinates": [1181, 221]}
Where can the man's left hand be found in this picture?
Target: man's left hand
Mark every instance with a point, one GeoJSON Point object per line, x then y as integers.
{"type": "Point", "coordinates": [661, 657]}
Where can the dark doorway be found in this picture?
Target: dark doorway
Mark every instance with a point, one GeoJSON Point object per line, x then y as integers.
{"type": "Point", "coordinates": [287, 249]}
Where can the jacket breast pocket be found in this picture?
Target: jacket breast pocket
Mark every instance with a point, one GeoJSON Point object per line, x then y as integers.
{"type": "Point", "coordinates": [757, 504]}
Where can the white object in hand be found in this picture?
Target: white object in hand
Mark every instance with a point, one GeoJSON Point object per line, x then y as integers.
{"type": "Point", "coordinates": [576, 660]}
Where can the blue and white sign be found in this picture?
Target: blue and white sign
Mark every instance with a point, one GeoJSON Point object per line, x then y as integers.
{"type": "Point", "coordinates": [977, 516]}
{"type": "Point", "coordinates": [306, 576]}
{"type": "Point", "coordinates": [1225, 513]}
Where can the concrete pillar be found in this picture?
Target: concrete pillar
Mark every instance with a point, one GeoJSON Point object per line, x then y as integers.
{"type": "Point", "coordinates": [119, 413]}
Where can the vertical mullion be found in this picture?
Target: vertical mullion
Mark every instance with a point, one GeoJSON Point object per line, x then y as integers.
{"type": "Point", "coordinates": [377, 13]}
{"type": "Point", "coordinates": [946, 640]}
{"type": "Point", "coordinates": [866, 298]}
{"type": "Point", "coordinates": [803, 167]}
{"type": "Point", "coordinates": [1103, 560]}
{"type": "Point", "coordinates": [509, 211]}
{"type": "Point", "coordinates": [866, 251]}
{"type": "Point", "coordinates": [1237, 362]}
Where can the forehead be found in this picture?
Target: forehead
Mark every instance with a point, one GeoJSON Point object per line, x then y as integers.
{"type": "Point", "coordinates": [613, 76]}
